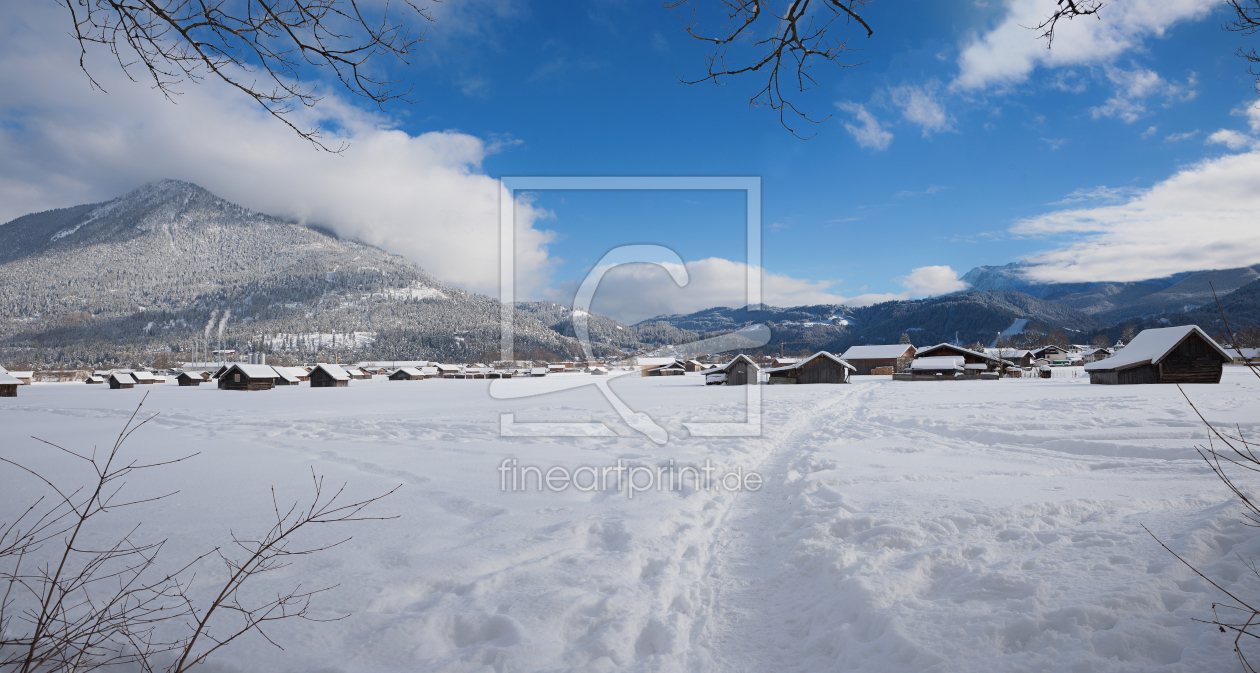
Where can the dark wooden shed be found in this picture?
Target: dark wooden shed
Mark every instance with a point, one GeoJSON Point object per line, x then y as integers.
{"type": "Point", "coordinates": [741, 371]}
{"type": "Point", "coordinates": [407, 374]}
{"type": "Point", "coordinates": [248, 377]}
{"type": "Point", "coordinates": [329, 376]}
{"type": "Point", "coordinates": [120, 381]}
{"type": "Point", "coordinates": [867, 358]}
{"type": "Point", "coordinates": [8, 385]}
{"type": "Point", "coordinates": [1183, 354]}
{"type": "Point", "coordinates": [186, 379]}
{"type": "Point", "coordinates": [969, 356]}
{"type": "Point", "coordinates": [821, 367]}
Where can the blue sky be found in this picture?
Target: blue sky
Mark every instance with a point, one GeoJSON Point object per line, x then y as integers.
{"type": "Point", "coordinates": [959, 141]}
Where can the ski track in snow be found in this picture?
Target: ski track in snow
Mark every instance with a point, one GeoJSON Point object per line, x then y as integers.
{"type": "Point", "coordinates": [975, 526]}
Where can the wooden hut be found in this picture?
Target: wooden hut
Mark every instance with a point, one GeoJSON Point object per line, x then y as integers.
{"type": "Point", "coordinates": [675, 368]}
{"type": "Point", "coordinates": [329, 376]}
{"type": "Point", "coordinates": [144, 378]}
{"type": "Point", "coordinates": [821, 367]}
{"type": "Point", "coordinates": [187, 379]}
{"type": "Point", "coordinates": [1183, 354]}
{"type": "Point", "coordinates": [8, 385]}
{"type": "Point", "coordinates": [240, 376]}
{"type": "Point", "coordinates": [24, 378]}
{"type": "Point", "coordinates": [1051, 353]}
{"type": "Point", "coordinates": [407, 374]}
{"type": "Point", "coordinates": [865, 359]}
{"type": "Point", "coordinates": [741, 371]}
{"type": "Point", "coordinates": [121, 381]}
{"type": "Point", "coordinates": [288, 376]}
{"type": "Point", "coordinates": [969, 357]}
{"type": "Point", "coordinates": [94, 380]}
{"type": "Point", "coordinates": [934, 368]}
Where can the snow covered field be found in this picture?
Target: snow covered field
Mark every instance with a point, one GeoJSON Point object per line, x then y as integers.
{"type": "Point", "coordinates": [963, 526]}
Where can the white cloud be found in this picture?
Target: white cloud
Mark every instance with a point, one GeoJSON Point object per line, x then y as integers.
{"type": "Point", "coordinates": [1174, 137]}
{"type": "Point", "coordinates": [1133, 87]}
{"type": "Point", "coordinates": [635, 292]}
{"type": "Point", "coordinates": [1102, 193]}
{"type": "Point", "coordinates": [1204, 217]}
{"type": "Point", "coordinates": [424, 196]}
{"type": "Point", "coordinates": [1009, 52]}
{"type": "Point", "coordinates": [870, 134]}
{"type": "Point", "coordinates": [932, 280]}
{"type": "Point", "coordinates": [1250, 110]}
{"type": "Point", "coordinates": [1230, 138]}
{"type": "Point", "coordinates": [920, 106]}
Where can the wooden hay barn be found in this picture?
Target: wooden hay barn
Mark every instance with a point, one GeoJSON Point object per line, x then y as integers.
{"type": "Point", "coordinates": [329, 376]}
{"type": "Point", "coordinates": [674, 369]}
{"type": "Point", "coordinates": [94, 380]}
{"type": "Point", "coordinates": [406, 374]}
{"type": "Point", "coordinates": [741, 371]}
{"type": "Point", "coordinates": [121, 381]}
{"type": "Point", "coordinates": [821, 367]}
{"type": "Point", "coordinates": [1183, 354]}
{"type": "Point", "coordinates": [969, 357]}
{"type": "Point", "coordinates": [8, 385]}
{"type": "Point", "coordinates": [288, 376]}
{"type": "Point", "coordinates": [186, 379]}
{"type": "Point", "coordinates": [248, 377]}
{"type": "Point", "coordinates": [865, 359]}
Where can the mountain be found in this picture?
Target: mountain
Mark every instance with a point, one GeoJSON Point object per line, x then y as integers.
{"type": "Point", "coordinates": [166, 265]}
{"type": "Point", "coordinates": [965, 318]}
{"type": "Point", "coordinates": [1115, 302]}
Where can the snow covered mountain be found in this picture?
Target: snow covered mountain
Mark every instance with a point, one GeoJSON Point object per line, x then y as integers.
{"type": "Point", "coordinates": [169, 264]}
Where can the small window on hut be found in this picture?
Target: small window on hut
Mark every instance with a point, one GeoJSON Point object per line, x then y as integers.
{"type": "Point", "coordinates": [236, 378]}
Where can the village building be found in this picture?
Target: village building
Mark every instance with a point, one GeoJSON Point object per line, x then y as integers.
{"type": "Point", "coordinates": [1052, 354]}
{"type": "Point", "coordinates": [24, 378]}
{"type": "Point", "coordinates": [407, 374]}
{"type": "Point", "coordinates": [887, 359]}
{"type": "Point", "coordinates": [144, 378]}
{"type": "Point", "coordinates": [8, 385]}
{"type": "Point", "coordinates": [695, 366]}
{"type": "Point", "coordinates": [1243, 356]}
{"type": "Point", "coordinates": [287, 376]}
{"type": "Point", "coordinates": [240, 376]}
{"type": "Point", "coordinates": [821, 367]}
{"type": "Point", "coordinates": [741, 371]}
{"type": "Point", "coordinates": [121, 381]}
{"type": "Point", "coordinates": [94, 380]}
{"type": "Point", "coordinates": [935, 368]}
{"type": "Point", "coordinates": [448, 371]}
{"type": "Point", "coordinates": [968, 356]}
{"type": "Point", "coordinates": [1020, 357]}
{"type": "Point", "coordinates": [783, 361]}
{"type": "Point", "coordinates": [329, 376]}
{"type": "Point", "coordinates": [675, 368]}
{"type": "Point", "coordinates": [187, 379]}
{"type": "Point", "coordinates": [1183, 354]}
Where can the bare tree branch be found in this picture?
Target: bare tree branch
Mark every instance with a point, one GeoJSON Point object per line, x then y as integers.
{"type": "Point", "coordinates": [778, 44]}
{"type": "Point", "coordinates": [237, 41]}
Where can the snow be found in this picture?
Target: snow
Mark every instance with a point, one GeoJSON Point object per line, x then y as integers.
{"type": "Point", "coordinates": [979, 526]}
{"type": "Point", "coordinates": [889, 352]}
{"type": "Point", "coordinates": [820, 354]}
{"type": "Point", "coordinates": [334, 371]}
{"type": "Point", "coordinates": [948, 362]}
{"type": "Point", "coordinates": [1150, 346]}
{"type": "Point", "coordinates": [8, 380]}
{"type": "Point", "coordinates": [252, 371]}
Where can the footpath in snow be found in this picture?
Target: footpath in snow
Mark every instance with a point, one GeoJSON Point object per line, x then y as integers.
{"type": "Point", "coordinates": [962, 526]}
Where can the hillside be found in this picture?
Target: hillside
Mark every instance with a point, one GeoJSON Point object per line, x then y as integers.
{"type": "Point", "coordinates": [169, 264]}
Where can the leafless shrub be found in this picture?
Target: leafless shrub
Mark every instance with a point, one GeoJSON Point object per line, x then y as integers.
{"type": "Point", "coordinates": [70, 605]}
{"type": "Point", "coordinates": [1232, 456]}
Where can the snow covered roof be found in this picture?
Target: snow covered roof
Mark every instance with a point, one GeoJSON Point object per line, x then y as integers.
{"type": "Point", "coordinates": [1007, 352]}
{"type": "Point", "coordinates": [1249, 353]}
{"type": "Point", "coordinates": [409, 371]}
{"type": "Point", "coordinates": [1151, 346]}
{"type": "Point", "coordinates": [822, 354]}
{"type": "Point", "coordinates": [984, 356]}
{"type": "Point", "coordinates": [143, 376]}
{"type": "Point", "coordinates": [3, 370]}
{"type": "Point", "coordinates": [6, 380]}
{"type": "Point", "coordinates": [93, 378]}
{"type": "Point", "coordinates": [252, 371]}
{"type": "Point", "coordinates": [887, 352]}
{"type": "Point", "coordinates": [287, 374]}
{"type": "Point", "coordinates": [739, 357]}
{"type": "Point", "coordinates": [447, 368]}
{"type": "Point", "coordinates": [946, 362]}
{"type": "Point", "coordinates": [334, 371]}
{"type": "Point", "coordinates": [653, 362]}
{"type": "Point", "coordinates": [122, 377]}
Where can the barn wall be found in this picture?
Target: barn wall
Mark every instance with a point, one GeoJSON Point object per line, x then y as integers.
{"type": "Point", "coordinates": [1192, 362]}
{"type": "Point", "coordinates": [822, 370]}
{"type": "Point", "coordinates": [741, 374]}
{"type": "Point", "coordinates": [8, 390]}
